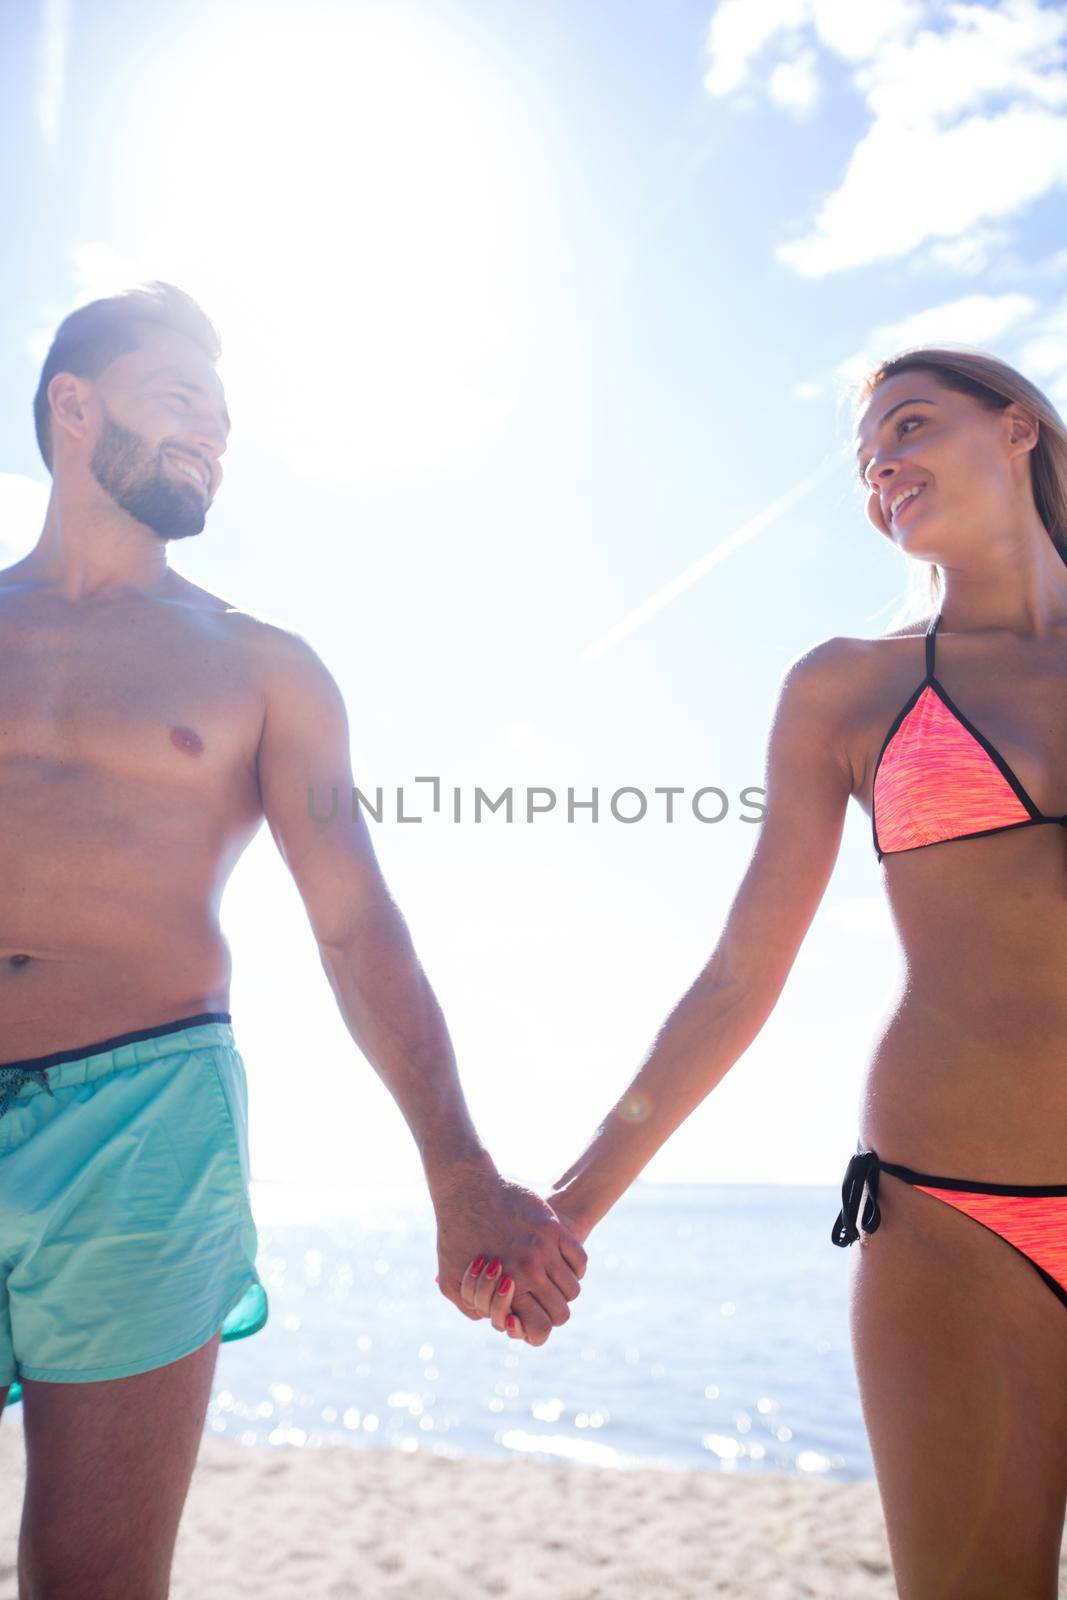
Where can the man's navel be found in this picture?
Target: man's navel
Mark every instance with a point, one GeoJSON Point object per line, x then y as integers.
{"type": "Point", "coordinates": [187, 740]}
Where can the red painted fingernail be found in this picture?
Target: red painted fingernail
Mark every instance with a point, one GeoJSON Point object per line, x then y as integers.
{"type": "Point", "coordinates": [493, 1267]}
{"type": "Point", "coordinates": [511, 1322]}
{"type": "Point", "coordinates": [477, 1266]}
{"type": "Point", "coordinates": [505, 1285]}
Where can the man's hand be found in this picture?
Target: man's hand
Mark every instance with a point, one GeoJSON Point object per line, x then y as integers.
{"type": "Point", "coordinates": [475, 1208]}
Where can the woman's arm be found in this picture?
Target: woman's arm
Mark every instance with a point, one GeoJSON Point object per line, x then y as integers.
{"type": "Point", "coordinates": [808, 781]}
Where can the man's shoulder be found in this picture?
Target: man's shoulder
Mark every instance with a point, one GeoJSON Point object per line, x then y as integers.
{"type": "Point", "coordinates": [270, 636]}
{"type": "Point", "coordinates": [277, 644]}
{"type": "Point", "coordinates": [283, 660]}
{"type": "Point", "coordinates": [267, 638]}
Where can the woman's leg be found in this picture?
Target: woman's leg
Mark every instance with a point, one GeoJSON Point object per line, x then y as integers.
{"type": "Point", "coordinates": [961, 1356]}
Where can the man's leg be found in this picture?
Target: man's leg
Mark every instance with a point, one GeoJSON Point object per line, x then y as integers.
{"type": "Point", "coordinates": [108, 1467]}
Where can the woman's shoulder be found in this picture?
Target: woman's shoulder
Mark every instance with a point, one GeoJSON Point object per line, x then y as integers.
{"type": "Point", "coordinates": [844, 670]}
{"type": "Point", "coordinates": [843, 651]}
{"type": "Point", "coordinates": [909, 630]}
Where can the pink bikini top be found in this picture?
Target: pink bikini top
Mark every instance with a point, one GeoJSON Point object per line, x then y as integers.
{"type": "Point", "coordinates": [938, 778]}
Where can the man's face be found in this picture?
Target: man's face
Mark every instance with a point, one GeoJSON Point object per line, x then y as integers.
{"type": "Point", "coordinates": [163, 428]}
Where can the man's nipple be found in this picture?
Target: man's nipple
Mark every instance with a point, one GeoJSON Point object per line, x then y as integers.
{"type": "Point", "coordinates": [187, 740]}
{"type": "Point", "coordinates": [19, 960]}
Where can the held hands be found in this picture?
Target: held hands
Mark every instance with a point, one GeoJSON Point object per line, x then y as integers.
{"type": "Point", "coordinates": [488, 1291]}
{"type": "Point", "coordinates": [542, 1251]}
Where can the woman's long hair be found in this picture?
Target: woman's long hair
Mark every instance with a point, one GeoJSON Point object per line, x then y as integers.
{"type": "Point", "coordinates": [996, 385]}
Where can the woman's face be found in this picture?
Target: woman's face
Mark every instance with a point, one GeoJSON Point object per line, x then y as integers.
{"type": "Point", "coordinates": [913, 433]}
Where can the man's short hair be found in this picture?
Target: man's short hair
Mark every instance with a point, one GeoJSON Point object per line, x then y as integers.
{"type": "Point", "coordinates": [94, 336]}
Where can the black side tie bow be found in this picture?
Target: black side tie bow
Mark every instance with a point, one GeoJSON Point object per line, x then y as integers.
{"type": "Point", "coordinates": [862, 1169]}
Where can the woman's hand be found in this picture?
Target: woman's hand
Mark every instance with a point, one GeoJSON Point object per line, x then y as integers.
{"type": "Point", "coordinates": [480, 1210]}
{"type": "Point", "coordinates": [487, 1290]}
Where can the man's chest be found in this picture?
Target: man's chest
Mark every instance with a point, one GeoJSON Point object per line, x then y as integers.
{"type": "Point", "coordinates": [162, 696]}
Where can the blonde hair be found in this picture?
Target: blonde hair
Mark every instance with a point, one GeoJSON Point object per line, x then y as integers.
{"type": "Point", "coordinates": [996, 385]}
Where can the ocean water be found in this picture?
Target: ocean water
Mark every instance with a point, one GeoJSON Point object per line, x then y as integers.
{"type": "Point", "coordinates": [711, 1332]}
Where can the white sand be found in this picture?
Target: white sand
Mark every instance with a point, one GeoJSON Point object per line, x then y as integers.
{"type": "Point", "coordinates": [337, 1524]}
{"type": "Point", "coordinates": [344, 1524]}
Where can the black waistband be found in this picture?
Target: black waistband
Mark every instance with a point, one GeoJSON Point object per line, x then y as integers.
{"type": "Point", "coordinates": [37, 1063]}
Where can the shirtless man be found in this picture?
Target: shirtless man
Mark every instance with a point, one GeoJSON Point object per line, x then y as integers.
{"type": "Point", "coordinates": [146, 728]}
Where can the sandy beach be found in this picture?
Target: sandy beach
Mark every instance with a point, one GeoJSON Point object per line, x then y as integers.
{"type": "Point", "coordinates": [337, 1524]}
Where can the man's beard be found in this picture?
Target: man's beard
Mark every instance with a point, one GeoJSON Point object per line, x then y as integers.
{"type": "Point", "coordinates": [140, 484]}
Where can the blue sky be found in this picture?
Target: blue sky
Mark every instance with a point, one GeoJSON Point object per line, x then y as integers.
{"type": "Point", "coordinates": [527, 312]}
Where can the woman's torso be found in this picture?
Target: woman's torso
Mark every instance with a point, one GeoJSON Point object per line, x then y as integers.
{"type": "Point", "coordinates": [968, 1075]}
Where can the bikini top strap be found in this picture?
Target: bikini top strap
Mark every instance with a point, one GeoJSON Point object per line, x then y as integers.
{"type": "Point", "coordinates": [930, 632]}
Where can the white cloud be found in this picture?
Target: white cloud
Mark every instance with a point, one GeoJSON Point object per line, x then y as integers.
{"type": "Point", "coordinates": [968, 119]}
{"type": "Point", "coordinates": [1014, 325]}
{"type": "Point", "coordinates": [976, 319]}
{"type": "Point", "coordinates": [794, 85]}
{"type": "Point", "coordinates": [970, 254]}
{"type": "Point", "coordinates": [1047, 354]}
{"type": "Point", "coordinates": [739, 31]}
{"type": "Point", "coordinates": [999, 53]}
{"type": "Point", "coordinates": [856, 31]}
{"type": "Point", "coordinates": [907, 184]}
{"type": "Point", "coordinates": [1043, 356]}
{"type": "Point", "coordinates": [23, 502]}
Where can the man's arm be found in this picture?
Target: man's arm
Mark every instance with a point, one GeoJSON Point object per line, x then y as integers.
{"type": "Point", "coordinates": [385, 996]}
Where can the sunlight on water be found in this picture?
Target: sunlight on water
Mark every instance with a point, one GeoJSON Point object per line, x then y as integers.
{"type": "Point", "coordinates": [562, 1445]}
{"type": "Point", "coordinates": [362, 1349]}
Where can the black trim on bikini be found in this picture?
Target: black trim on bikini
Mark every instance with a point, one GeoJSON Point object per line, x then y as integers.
{"type": "Point", "coordinates": [978, 833]}
{"type": "Point", "coordinates": [971, 1185]}
{"type": "Point", "coordinates": [933, 682]}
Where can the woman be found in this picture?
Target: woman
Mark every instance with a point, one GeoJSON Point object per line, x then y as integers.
{"type": "Point", "coordinates": [951, 731]}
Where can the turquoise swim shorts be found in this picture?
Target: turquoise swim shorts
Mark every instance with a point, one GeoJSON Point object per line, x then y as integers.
{"type": "Point", "coordinates": [126, 1235]}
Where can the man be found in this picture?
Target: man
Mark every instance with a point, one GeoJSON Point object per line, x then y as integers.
{"type": "Point", "coordinates": [146, 728]}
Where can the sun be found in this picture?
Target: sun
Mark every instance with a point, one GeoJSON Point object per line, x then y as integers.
{"type": "Point", "coordinates": [352, 192]}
